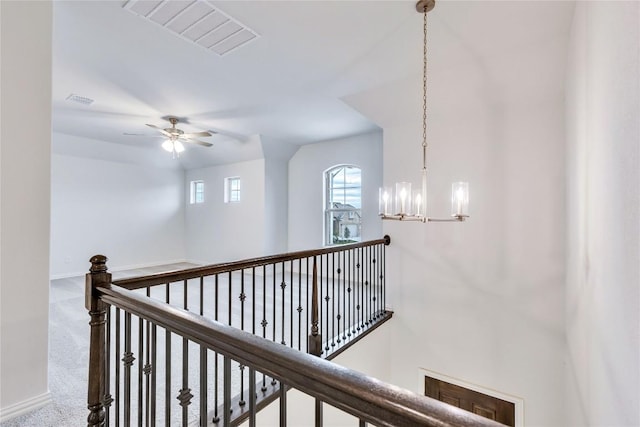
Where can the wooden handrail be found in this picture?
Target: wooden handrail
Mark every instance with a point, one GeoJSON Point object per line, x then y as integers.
{"type": "Point", "coordinates": [364, 397]}
{"type": "Point", "coordinates": [191, 273]}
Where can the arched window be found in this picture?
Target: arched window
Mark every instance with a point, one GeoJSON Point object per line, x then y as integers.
{"type": "Point", "coordinates": [343, 204]}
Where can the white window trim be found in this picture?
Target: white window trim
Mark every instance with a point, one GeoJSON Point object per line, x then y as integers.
{"type": "Point", "coordinates": [327, 228]}
{"type": "Point", "coordinates": [193, 192]}
{"type": "Point", "coordinates": [228, 190]}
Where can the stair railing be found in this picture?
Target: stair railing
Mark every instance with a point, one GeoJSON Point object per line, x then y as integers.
{"type": "Point", "coordinates": [321, 301]}
{"type": "Point", "coordinates": [365, 398]}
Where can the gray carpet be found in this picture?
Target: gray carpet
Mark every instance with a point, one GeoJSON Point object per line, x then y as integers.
{"type": "Point", "coordinates": [69, 353]}
{"type": "Point", "coordinates": [69, 337]}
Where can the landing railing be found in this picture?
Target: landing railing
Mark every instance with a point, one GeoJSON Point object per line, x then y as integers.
{"type": "Point", "coordinates": [141, 341]}
{"type": "Point", "coordinates": [320, 301]}
{"type": "Point", "coordinates": [365, 398]}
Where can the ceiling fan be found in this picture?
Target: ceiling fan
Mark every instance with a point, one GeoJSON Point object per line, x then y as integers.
{"type": "Point", "coordinates": [177, 136]}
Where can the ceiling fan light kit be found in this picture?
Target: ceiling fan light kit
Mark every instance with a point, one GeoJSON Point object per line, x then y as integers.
{"type": "Point", "coordinates": [176, 137]}
{"type": "Point", "coordinates": [405, 204]}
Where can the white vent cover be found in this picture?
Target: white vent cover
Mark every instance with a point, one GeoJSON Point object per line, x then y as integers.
{"type": "Point", "coordinates": [79, 99]}
{"type": "Point", "coordinates": [197, 21]}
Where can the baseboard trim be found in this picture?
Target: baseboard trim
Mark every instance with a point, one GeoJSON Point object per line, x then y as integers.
{"type": "Point", "coordinates": [118, 268]}
{"type": "Point", "coordinates": [25, 406]}
{"type": "Point", "coordinates": [198, 262]}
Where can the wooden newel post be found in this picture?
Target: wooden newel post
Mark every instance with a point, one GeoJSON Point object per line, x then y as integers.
{"type": "Point", "coordinates": [97, 277]}
{"type": "Point", "coordinates": [315, 339]}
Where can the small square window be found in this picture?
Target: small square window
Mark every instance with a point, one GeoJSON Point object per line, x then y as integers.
{"type": "Point", "coordinates": [232, 190]}
{"type": "Point", "coordinates": [197, 192]}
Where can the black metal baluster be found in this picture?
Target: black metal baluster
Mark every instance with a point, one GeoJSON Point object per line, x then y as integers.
{"type": "Point", "coordinates": [339, 315]}
{"type": "Point", "coordinates": [252, 380]}
{"type": "Point", "coordinates": [140, 368]}
{"type": "Point", "coordinates": [184, 395]}
{"type": "Point", "coordinates": [349, 286]}
{"type": "Point", "coordinates": [264, 322]}
{"type": "Point", "coordinates": [241, 366]}
{"type": "Point", "coordinates": [201, 295]}
{"type": "Point", "coordinates": [299, 304]}
{"type": "Point", "coordinates": [230, 314]}
{"type": "Point", "coordinates": [229, 289]}
{"type": "Point", "coordinates": [333, 299]}
{"type": "Point", "coordinates": [283, 405]}
{"type": "Point", "coordinates": [273, 327]}
{"type": "Point", "coordinates": [283, 286]}
{"type": "Point", "coordinates": [116, 364]}
{"type": "Point", "coordinates": [344, 295]}
{"type": "Point", "coordinates": [203, 385]}
{"type": "Point", "coordinates": [252, 396]}
{"type": "Point", "coordinates": [380, 261]}
{"type": "Point", "coordinates": [372, 281]}
{"type": "Point", "coordinates": [362, 424]}
{"type": "Point", "coordinates": [374, 284]}
{"type": "Point", "coordinates": [167, 367]}
{"type": "Point", "coordinates": [321, 330]}
{"type": "Point", "coordinates": [108, 400]}
{"type": "Point", "coordinates": [307, 297]}
{"type": "Point", "coordinates": [147, 367]}
{"type": "Point", "coordinates": [384, 277]}
{"type": "Point", "coordinates": [154, 359]}
{"type": "Point", "coordinates": [318, 417]}
{"type": "Point", "coordinates": [253, 300]}
{"type": "Point", "coordinates": [204, 369]}
{"type": "Point", "coordinates": [216, 416]}
{"type": "Point", "coordinates": [327, 298]}
{"type": "Point", "coordinates": [127, 360]}
{"type": "Point", "coordinates": [291, 303]}
{"type": "Point", "coordinates": [363, 284]}
{"type": "Point", "coordinates": [367, 285]}
{"type": "Point", "coordinates": [227, 392]}
{"type": "Point", "coordinates": [358, 289]}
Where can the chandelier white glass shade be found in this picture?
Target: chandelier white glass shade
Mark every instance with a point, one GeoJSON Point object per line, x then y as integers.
{"type": "Point", "coordinates": [403, 204]}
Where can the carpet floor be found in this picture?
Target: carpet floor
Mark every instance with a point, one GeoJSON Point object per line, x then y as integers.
{"type": "Point", "coordinates": [69, 353]}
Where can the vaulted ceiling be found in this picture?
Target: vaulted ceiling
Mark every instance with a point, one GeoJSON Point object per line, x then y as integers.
{"type": "Point", "coordinates": [291, 85]}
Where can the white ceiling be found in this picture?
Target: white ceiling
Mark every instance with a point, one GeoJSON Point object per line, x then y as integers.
{"type": "Point", "coordinates": [293, 84]}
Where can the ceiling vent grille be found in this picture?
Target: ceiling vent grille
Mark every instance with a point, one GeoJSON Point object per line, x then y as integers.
{"type": "Point", "coordinates": [79, 99]}
{"type": "Point", "coordinates": [196, 21]}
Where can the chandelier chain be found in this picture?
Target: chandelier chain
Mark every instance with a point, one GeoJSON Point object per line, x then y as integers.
{"type": "Point", "coordinates": [424, 91]}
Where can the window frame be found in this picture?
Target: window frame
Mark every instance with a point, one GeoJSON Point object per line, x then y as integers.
{"type": "Point", "coordinates": [330, 211]}
{"type": "Point", "coordinates": [193, 192]}
{"type": "Point", "coordinates": [232, 192]}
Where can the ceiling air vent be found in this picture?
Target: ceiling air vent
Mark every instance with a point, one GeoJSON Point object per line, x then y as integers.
{"type": "Point", "coordinates": [79, 99]}
{"type": "Point", "coordinates": [196, 21]}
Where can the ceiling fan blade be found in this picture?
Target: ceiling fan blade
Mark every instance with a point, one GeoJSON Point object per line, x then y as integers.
{"type": "Point", "coordinates": [196, 134]}
{"type": "Point", "coordinates": [159, 129]}
{"type": "Point", "coordinates": [197, 141]}
{"type": "Point", "coordinates": [146, 135]}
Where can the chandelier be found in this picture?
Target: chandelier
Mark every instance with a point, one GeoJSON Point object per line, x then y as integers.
{"type": "Point", "coordinates": [405, 204]}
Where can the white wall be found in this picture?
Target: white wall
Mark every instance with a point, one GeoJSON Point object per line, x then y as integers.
{"type": "Point", "coordinates": [25, 143]}
{"type": "Point", "coordinates": [133, 214]}
{"type": "Point", "coordinates": [306, 186]}
{"type": "Point", "coordinates": [482, 301]}
{"type": "Point", "coordinates": [276, 205]}
{"type": "Point", "coordinates": [603, 233]}
{"type": "Point", "coordinates": [370, 356]}
{"type": "Point", "coordinates": [218, 231]}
